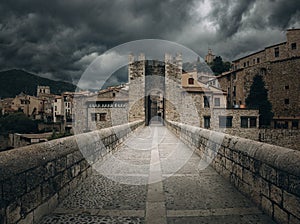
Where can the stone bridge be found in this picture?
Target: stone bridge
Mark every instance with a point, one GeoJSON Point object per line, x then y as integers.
{"type": "Point", "coordinates": [150, 174]}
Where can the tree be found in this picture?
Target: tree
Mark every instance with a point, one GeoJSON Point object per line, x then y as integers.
{"type": "Point", "coordinates": [258, 99]}
{"type": "Point", "coordinates": [17, 122]}
{"type": "Point", "coordinates": [218, 66]}
{"type": "Point", "coordinates": [226, 66]}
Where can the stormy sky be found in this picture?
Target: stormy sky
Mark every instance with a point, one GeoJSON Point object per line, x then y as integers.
{"type": "Point", "coordinates": [58, 39]}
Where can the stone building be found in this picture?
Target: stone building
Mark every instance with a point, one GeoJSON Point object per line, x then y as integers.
{"type": "Point", "coordinates": [58, 110]}
{"type": "Point", "coordinates": [44, 94]}
{"type": "Point", "coordinates": [154, 83]}
{"type": "Point", "coordinates": [5, 106]}
{"type": "Point", "coordinates": [63, 110]}
{"type": "Point", "coordinates": [43, 90]}
{"type": "Point", "coordinates": [211, 105]}
{"type": "Point", "coordinates": [17, 140]}
{"type": "Point", "coordinates": [107, 108]}
{"type": "Point", "coordinates": [37, 107]}
{"type": "Point", "coordinates": [279, 66]}
{"type": "Point", "coordinates": [29, 105]}
{"type": "Point", "coordinates": [159, 91]}
{"type": "Point", "coordinates": [183, 98]}
{"type": "Point", "coordinates": [209, 58]}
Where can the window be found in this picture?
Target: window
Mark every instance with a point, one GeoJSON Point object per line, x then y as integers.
{"type": "Point", "coordinates": [234, 76]}
{"type": "Point", "coordinates": [217, 102]}
{"type": "Point", "coordinates": [114, 94]}
{"type": "Point", "coordinates": [244, 122]}
{"type": "Point", "coordinates": [206, 122]}
{"type": "Point", "coordinates": [206, 101]}
{"type": "Point", "coordinates": [263, 71]}
{"type": "Point", "coordinates": [287, 87]}
{"type": "Point", "coordinates": [281, 124]}
{"type": "Point", "coordinates": [102, 116]}
{"type": "Point", "coordinates": [248, 63]}
{"type": "Point", "coordinates": [253, 60]}
{"type": "Point", "coordinates": [98, 116]}
{"type": "Point", "coordinates": [225, 121]}
{"type": "Point", "coordinates": [55, 108]}
{"type": "Point", "coordinates": [294, 46]}
{"type": "Point", "coordinates": [295, 124]}
{"type": "Point", "coordinates": [234, 91]}
{"type": "Point", "coordinates": [93, 117]}
{"type": "Point", "coordinates": [244, 64]}
{"type": "Point", "coordinates": [191, 81]}
{"type": "Point", "coordinates": [258, 60]}
{"type": "Point", "coordinates": [253, 122]}
{"type": "Point", "coordinates": [276, 52]}
{"type": "Point", "coordinates": [286, 101]}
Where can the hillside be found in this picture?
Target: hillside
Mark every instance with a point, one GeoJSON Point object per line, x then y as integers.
{"type": "Point", "coordinates": [201, 67]}
{"type": "Point", "coordinates": [13, 82]}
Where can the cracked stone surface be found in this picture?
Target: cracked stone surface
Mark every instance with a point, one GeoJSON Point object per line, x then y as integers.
{"type": "Point", "coordinates": [70, 218]}
{"type": "Point", "coordinates": [155, 178]}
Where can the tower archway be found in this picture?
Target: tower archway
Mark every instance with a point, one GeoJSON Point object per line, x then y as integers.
{"type": "Point", "coordinates": [155, 107]}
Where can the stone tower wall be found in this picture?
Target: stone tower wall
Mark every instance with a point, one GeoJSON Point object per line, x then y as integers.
{"type": "Point", "coordinates": [136, 73]}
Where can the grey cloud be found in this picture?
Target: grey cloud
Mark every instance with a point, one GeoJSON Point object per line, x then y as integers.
{"type": "Point", "coordinates": [232, 17]}
{"type": "Point", "coordinates": [228, 15]}
{"type": "Point", "coordinates": [43, 36]}
{"type": "Point", "coordinates": [247, 26]}
{"type": "Point", "coordinates": [58, 37]}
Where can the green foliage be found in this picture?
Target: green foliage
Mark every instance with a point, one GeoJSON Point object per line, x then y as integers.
{"type": "Point", "coordinates": [13, 82]}
{"type": "Point", "coordinates": [218, 66]}
{"type": "Point", "coordinates": [17, 123]}
{"type": "Point", "coordinates": [258, 99]}
{"type": "Point", "coordinates": [58, 135]}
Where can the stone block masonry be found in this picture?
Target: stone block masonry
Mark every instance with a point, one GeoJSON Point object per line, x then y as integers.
{"type": "Point", "coordinates": [35, 178]}
{"type": "Point", "coordinates": [282, 137]}
{"type": "Point", "coordinates": [269, 175]}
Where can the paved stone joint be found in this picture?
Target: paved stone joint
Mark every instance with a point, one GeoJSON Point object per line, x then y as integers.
{"type": "Point", "coordinates": [161, 192]}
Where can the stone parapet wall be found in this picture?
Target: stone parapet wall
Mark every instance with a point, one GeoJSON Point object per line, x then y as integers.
{"type": "Point", "coordinates": [282, 137]}
{"type": "Point", "coordinates": [35, 178]}
{"type": "Point", "coordinates": [267, 174]}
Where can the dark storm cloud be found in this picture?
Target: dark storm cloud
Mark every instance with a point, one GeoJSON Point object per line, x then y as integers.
{"type": "Point", "coordinates": [232, 16]}
{"type": "Point", "coordinates": [284, 13]}
{"type": "Point", "coordinates": [228, 15]}
{"type": "Point", "coordinates": [60, 38]}
{"type": "Point", "coordinates": [53, 37]}
{"type": "Point", "coordinates": [245, 26]}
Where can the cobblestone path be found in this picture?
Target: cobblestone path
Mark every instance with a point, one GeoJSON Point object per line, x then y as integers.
{"type": "Point", "coordinates": [154, 178]}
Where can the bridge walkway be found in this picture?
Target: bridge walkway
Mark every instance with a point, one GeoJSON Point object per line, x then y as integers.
{"type": "Point", "coordinates": [154, 178]}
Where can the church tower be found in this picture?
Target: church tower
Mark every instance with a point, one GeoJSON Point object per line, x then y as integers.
{"type": "Point", "coordinates": [209, 57]}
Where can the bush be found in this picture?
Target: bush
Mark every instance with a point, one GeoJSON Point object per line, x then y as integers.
{"type": "Point", "coordinates": [17, 123]}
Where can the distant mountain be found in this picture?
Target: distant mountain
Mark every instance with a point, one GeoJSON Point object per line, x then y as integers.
{"type": "Point", "coordinates": [200, 66]}
{"type": "Point", "coordinates": [13, 82]}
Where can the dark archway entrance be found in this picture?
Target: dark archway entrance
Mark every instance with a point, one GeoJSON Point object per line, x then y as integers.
{"type": "Point", "coordinates": [155, 108]}
{"type": "Point", "coordinates": [155, 91]}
